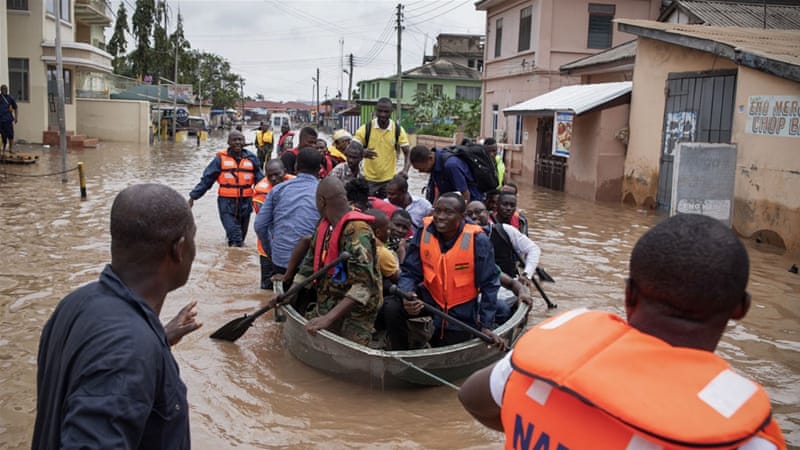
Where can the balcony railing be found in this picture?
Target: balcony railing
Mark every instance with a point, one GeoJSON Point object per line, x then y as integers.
{"type": "Point", "coordinates": [93, 12]}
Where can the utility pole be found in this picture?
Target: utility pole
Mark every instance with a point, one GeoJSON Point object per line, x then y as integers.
{"type": "Point", "coordinates": [175, 92]}
{"type": "Point", "coordinates": [241, 87]}
{"type": "Point", "coordinates": [350, 84]}
{"type": "Point", "coordinates": [341, 64]}
{"type": "Point", "coordinates": [316, 80]}
{"type": "Point", "coordinates": [62, 125]}
{"type": "Point", "coordinates": [399, 88]}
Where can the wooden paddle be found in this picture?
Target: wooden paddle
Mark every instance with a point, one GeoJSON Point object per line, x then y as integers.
{"type": "Point", "coordinates": [234, 329]}
{"type": "Point", "coordinates": [550, 305]}
{"type": "Point", "coordinates": [444, 316]}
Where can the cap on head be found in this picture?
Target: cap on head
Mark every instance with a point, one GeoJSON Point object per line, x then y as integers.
{"type": "Point", "coordinates": [341, 134]}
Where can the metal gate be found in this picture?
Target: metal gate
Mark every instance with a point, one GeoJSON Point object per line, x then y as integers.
{"type": "Point", "coordinates": [699, 108]}
{"type": "Point", "coordinates": [550, 170]}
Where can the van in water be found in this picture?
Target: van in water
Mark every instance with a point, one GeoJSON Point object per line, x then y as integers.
{"type": "Point", "coordinates": [278, 119]}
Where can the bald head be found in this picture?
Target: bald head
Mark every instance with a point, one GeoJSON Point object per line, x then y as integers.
{"type": "Point", "coordinates": [331, 199]}
{"type": "Point", "coordinates": [146, 221]}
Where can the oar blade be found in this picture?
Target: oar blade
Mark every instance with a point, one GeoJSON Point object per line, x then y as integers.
{"type": "Point", "coordinates": [234, 329]}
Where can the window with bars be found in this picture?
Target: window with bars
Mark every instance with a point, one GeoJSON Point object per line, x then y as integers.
{"type": "Point", "coordinates": [17, 5]}
{"type": "Point", "coordinates": [422, 87]}
{"type": "Point", "coordinates": [468, 92]}
{"type": "Point", "coordinates": [518, 131]}
{"type": "Point", "coordinates": [393, 89]}
{"type": "Point", "coordinates": [19, 79]}
{"type": "Point", "coordinates": [498, 37]}
{"type": "Point", "coordinates": [438, 90]}
{"type": "Point", "coordinates": [601, 27]}
{"type": "Point", "coordinates": [525, 23]}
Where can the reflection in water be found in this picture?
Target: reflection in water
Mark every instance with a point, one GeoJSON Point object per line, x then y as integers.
{"type": "Point", "coordinates": [253, 394]}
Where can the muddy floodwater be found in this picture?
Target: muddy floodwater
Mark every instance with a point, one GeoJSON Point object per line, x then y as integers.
{"type": "Point", "coordinates": [254, 394]}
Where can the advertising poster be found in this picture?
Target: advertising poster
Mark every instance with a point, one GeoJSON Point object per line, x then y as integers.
{"type": "Point", "coordinates": [679, 127]}
{"type": "Point", "coordinates": [562, 133]}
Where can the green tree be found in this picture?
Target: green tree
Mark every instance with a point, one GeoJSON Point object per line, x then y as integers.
{"type": "Point", "coordinates": [437, 115]}
{"type": "Point", "coordinates": [117, 45]}
{"type": "Point", "coordinates": [142, 24]}
{"type": "Point", "coordinates": [163, 56]}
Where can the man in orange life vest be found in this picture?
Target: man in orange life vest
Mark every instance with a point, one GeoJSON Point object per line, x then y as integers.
{"type": "Point", "coordinates": [448, 263]}
{"type": "Point", "coordinates": [275, 174]}
{"type": "Point", "coordinates": [348, 296]}
{"type": "Point", "coordinates": [587, 379]}
{"type": "Point", "coordinates": [236, 171]}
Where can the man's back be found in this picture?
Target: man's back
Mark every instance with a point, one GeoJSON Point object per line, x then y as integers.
{"type": "Point", "coordinates": [103, 354]}
{"type": "Point", "coordinates": [289, 213]}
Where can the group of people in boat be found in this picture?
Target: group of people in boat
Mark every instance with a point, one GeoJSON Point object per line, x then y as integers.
{"type": "Point", "coordinates": [314, 202]}
{"type": "Point", "coordinates": [580, 380]}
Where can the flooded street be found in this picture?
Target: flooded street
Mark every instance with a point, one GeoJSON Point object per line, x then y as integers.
{"type": "Point", "coordinates": [253, 393]}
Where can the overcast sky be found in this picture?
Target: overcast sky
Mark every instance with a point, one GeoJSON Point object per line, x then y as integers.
{"type": "Point", "coordinates": [278, 45]}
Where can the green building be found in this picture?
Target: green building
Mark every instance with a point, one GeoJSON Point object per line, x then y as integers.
{"type": "Point", "coordinates": [441, 76]}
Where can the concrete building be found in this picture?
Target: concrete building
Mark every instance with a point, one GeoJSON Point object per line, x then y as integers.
{"type": "Point", "coordinates": [527, 41]}
{"type": "Point", "coordinates": [442, 76]}
{"type": "Point", "coordinates": [719, 85]}
{"type": "Point", "coordinates": [27, 59]}
{"type": "Point", "coordinates": [463, 49]}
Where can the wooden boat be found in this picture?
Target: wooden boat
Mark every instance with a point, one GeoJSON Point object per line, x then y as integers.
{"type": "Point", "coordinates": [345, 359]}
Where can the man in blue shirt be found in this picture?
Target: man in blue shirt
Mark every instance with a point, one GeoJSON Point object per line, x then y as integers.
{"type": "Point", "coordinates": [8, 117]}
{"type": "Point", "coordinates": [106, 375]}
{"type": "Point", "coordinates": [445, 229]}
{"type": "Point", "coordinates": [289, 212]}
{"type": "Point", "coordinates": [448, 173]}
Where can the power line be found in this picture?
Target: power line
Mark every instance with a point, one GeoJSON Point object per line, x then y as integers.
{"type": "Point", "coordinates": [442, 13]}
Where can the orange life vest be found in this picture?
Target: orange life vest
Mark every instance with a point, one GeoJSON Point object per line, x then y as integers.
{"type": "Point", "coordinates": [449, 276]}
{"type": "Point", "coordinates": [236, 179]}
{"type": "Point", "coordinates": [260, 192]}
{"type": "Point", "coordinates": [323, 255]}
{"type": "Point", "coordinates": [587, 379]}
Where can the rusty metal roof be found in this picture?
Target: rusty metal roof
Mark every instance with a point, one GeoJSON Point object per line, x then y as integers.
{"type": "Point", "coordinates": [578, 98]}
{"type": "Point", "coordinates": [619, 55]}
{"type": "Point", "coordinates": [772, 51]}
{"type": "Point", "coordinates": [738, 14]}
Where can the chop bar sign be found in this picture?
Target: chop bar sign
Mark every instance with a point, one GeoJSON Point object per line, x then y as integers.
{"type": "Point", "coordinates": [773, 115]}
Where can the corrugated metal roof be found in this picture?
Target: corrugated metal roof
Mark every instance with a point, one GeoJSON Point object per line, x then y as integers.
{"type": "Point", "coordinates": [772, 51]}
{"type": "Point", "coordinates": [443, 68]}
{"type": "Point", "coordinates": [578, 98]}
{"type": "Point", "coordinates": [747, 15]}
{"type": "Point", "coordinates": [612, 55]}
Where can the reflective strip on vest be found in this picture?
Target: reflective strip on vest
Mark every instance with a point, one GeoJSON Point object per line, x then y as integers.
{"type": "Point", "coordinates": [235, 180]}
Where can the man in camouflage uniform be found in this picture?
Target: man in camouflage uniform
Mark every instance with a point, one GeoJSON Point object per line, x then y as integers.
{"type": "Point", "coordinates": [348, 297]}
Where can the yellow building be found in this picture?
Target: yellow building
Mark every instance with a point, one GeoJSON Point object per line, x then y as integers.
{"type": "Point", "coordinates": [28, 62]}
{"type": "Point", "coordinates": [734, 85]}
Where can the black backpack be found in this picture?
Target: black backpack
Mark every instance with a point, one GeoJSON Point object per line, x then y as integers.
{"type": "Point", "coordinates": [480, 164]}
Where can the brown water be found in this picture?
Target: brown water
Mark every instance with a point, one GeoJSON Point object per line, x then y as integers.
{"type": "Point", "coordinates": [253, 394]}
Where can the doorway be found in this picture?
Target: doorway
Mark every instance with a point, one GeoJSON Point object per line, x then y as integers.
{"type": "Point", "coordinates": [550, 170]}
{"type": "Point", "coordinates": [699, 108]}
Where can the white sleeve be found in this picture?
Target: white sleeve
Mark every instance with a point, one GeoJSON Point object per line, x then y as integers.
{"type": "Point", "coordinates": [499, 378]}
{"type": "Point", "coordinates": [525, 247]}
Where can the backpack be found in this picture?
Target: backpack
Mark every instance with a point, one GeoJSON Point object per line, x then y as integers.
{"type": "Point", "coordinates": [368, 128]}
{"type": "Point", "coordinates": [480, 164]}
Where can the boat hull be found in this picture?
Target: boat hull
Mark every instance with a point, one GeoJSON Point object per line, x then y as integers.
{"type": "Point", "coordinates": [345, 359]}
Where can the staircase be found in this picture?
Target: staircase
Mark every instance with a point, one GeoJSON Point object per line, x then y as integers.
{"type": "Point", "coordinates": [73, 140]}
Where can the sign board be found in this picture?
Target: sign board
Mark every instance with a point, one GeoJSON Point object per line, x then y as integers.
{"type": "Point", "coordinates": [773, 115]}
{"type": "Point", "coordinates": [184, 92]}
{"type": "Point", "coordinates": [703, 180]}
{"type": "Point", "coordinates": [679, 127]}
{"type": "Point", "coordinates": [562, 133]}
{"type": "Point", "coordinates": [182, 115]}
